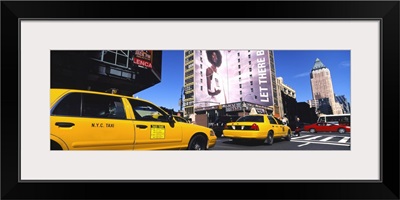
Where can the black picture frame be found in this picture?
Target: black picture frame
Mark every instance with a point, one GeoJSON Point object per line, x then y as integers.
{"type": "Point", "coordinates": [386, 11]}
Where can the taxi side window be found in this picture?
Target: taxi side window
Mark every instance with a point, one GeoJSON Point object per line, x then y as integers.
{"type": "Point", "coordinates": [102, 106]}
{"type": "Point", "coordinates": [147, 112]}
{"type": "Point", "coordinates": [69, 105]}
{"type": "Point", "coordinates": [271, 120]}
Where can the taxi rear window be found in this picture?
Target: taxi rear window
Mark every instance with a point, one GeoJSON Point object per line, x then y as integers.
{"type": "Point", "coordinates": [251, 119]}
{"type": "Point", "coordinates": [90, 105]}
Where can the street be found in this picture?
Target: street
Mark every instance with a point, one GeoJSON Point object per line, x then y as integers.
{"type": "Point", "coordinates": [306, 141]}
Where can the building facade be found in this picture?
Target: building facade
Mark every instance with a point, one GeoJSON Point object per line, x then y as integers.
{"type": "Point", "coordinates": [322, 88]}
{"type": "Point", "coordinates": [344, 103]}
{"type": "Point", "coordinates": [313, 103]}
{"type": "Point", "coordinates": [188, 83]}
{"type": "Point", "coordinates": [283, 90]}
{"type": "Point", "coordinates": [128, 71]}
{"type": "Point", "coordinates": [229, 82]}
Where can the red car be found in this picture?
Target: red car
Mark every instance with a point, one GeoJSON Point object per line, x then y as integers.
{"type": "Point", "coordinates": [326, 127]}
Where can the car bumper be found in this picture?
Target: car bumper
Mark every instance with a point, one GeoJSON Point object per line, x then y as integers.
{"type": "Point", "coordinates": [212, 142]}
{"type": "Point", "coordinates": [244, 134]}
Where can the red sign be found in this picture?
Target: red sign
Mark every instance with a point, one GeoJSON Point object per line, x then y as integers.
{"type": "Point", "coordinates": [142, 63]}
{"type": "Point", "coordinates": [143, 58]}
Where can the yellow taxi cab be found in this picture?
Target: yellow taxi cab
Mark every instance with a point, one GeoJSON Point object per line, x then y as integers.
{"type": "Point", "coordinates": [89, 120]}
{"type": "Point", "coordinates": [258, 127]}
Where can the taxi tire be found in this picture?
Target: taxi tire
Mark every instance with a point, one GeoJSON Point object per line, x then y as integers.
{"type": "Point", "coordinates": [312, 130]}
{"type": "Point", "coordinates": [270, 138]}
{"type": "Point", "coordinates": [55, 146]}
{"type": "Point", "coordinates": [341, 130]}
{"type": "Point", "coordinates": [198, 142]}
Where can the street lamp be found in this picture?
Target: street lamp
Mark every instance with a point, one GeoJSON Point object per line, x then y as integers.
{"type": "Point", "coordinates": [181, 100]}
{"type": "Point", "coordinates": [244, 104]}
{"type": "Point", "coordinates": [244, 108]}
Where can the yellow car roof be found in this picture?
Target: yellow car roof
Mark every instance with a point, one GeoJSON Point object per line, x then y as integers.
{"type": "Point", "coordinates": [56, 92]}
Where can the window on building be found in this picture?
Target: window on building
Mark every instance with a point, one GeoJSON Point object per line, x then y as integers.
{"type": "Point", "coordinates": [201, 88]}
{"type": "Point", "coordinates": [238, 66]}
{"type": "Point", "coordinates": [201, 59]}
{"type": "Point", "coordinates": [201, 66]}
{"type": "Point", "coordinates": [251, 76]}
{"type": "Point", "coordinates": [240, 79]}
{"type": "Point", "coordinates": [238, 60]}
{"type": "Point", "coordinates": [255, 96]}
{"type": "Point", "coordinates": [249, 56]}
{"type": "Point", "coordinates": [241, 99]}
{"type": "Point", "coordinates": [201, 80]}
{"type": "Point", "coordinates": [240, 85]}
{"type": "Point", "coordinates": [251, 89]}
{"type": "Point", "coordinates": [238, 53]}
{"type": "Point", "coordinates": [240, 92]}
{"type": "Point", "coordinates": [249, 62]}
{"type": "Point", "coordinates": [251, 82]}
{"type": "Point", "coordinates": [240, 73]}
{"type": "Point", "coordinates": [250, 69]}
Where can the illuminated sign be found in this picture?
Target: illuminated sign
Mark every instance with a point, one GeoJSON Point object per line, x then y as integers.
{"type": "Point", "coordinates": [143, 58]}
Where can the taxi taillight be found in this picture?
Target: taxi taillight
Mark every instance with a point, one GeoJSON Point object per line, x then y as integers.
{"type": "Point", "coordinates": [254, 127]}
{"type": "Point", "coordinates": [225, 126]}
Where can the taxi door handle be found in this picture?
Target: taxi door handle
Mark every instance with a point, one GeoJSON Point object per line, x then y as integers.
{"type": "Point", "coordinates": [65, 124]}
{"type": "Point", "coordinates": [141, 126]}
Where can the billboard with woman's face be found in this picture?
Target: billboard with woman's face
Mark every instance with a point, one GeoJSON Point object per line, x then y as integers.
{"type": "Point", "coordinates": [229, 76]}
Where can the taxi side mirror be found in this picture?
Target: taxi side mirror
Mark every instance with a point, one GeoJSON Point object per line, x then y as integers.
{"type": "Point", "coordinates": [171, 120]}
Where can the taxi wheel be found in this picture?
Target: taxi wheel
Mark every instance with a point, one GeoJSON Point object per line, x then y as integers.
{"type": "Point", "coordinates": [198, 142]}
{"type": "Point", "coordinates": [342, 130]}
{"type": "Point", "coordinates": [270, 138]}
{"type": "Point", "coordinates": [312, 130]}
{"type": "Point", "coordinates": [55, 146]}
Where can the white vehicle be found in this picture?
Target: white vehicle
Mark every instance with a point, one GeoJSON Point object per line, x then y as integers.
{"type": "Point", "coordinates": [343, 119]}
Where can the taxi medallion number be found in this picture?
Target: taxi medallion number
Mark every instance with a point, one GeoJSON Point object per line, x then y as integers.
{"type": "Point", "coordinates": [157, 132]}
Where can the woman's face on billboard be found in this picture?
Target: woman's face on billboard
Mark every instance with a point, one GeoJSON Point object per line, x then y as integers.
{"type": "Point", "coordinates": [214, 57]}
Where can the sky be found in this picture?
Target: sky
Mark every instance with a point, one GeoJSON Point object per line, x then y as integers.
{"type": "Point", "coordinates": [294, 66]}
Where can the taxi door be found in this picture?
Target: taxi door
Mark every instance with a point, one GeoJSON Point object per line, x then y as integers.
{"type": "Point", "coordinates": [278, 128]}
{"type": "Point", "coordinates": [153, 130]}
{"type": "Point", "coordinates": [282, 127]}
{"type": "Point", "coordinates": [84, 122]}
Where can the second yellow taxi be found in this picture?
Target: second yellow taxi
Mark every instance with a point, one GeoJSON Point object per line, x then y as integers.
{"type": "Point", "coordinates": [257, 127]}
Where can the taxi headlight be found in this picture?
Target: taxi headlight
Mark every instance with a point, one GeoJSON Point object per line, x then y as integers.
{"type": "Point", "coordinates": [212, 133]}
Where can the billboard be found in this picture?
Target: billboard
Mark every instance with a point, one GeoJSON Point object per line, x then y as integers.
{"type": "Point", "coordinates": [231, 76]}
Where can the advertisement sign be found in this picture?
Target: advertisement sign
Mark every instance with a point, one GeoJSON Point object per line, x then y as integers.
{"type": "Point", "coordinates": [143, 58]}
{"type": "Point", "coordinates": [230, 76]}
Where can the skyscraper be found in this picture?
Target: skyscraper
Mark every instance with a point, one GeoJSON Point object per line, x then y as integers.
{"type": "Point", "coordinates": [321, 86]}
{"type": "Point", "coordinates": [344, 103]}
{"type": "Point", "coordinates": [284, 92]}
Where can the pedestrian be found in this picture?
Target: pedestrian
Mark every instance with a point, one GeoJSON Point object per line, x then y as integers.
{"type": "Point", "coordinates": [299, 126]}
